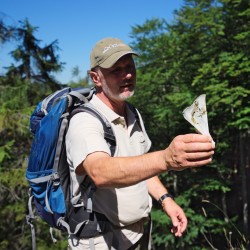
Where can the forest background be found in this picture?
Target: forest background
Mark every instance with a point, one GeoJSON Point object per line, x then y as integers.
{"type": "Point", "coordinates": [205, 50]}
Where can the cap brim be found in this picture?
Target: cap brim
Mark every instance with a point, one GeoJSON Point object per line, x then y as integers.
{"type": "Point", "coordinates": [109, 62]}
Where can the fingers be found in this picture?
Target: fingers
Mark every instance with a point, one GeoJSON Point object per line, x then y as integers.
{"type": "Point", "coordinates": [179, 224]}
{"type": "Point", "coordinates": [189, 138]}
{"type": "Point", "coordinates": [198, 147]}
{"type": "Point", "coordinates": [191, 150]}
{"type": "Point", "coordinates": [194, 143]}
{"type": "Point", "coordinates": [195, 156]}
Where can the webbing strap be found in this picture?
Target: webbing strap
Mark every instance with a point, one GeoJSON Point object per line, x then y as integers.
{"type": "Point", "coordinates": [90, 192]}
{"type": "Point", "coordinates": [47, 198]}
{"type": "Point", "coordinates": [89, 188]}
{"type": "Point", "coordinates": [31, 214]}
{"type": "Point", "coordinates": [52, 235]}
{"type": "Point", "coordinates": [59, 144]}
{"type": "Point", "coordinates": [75, 201]}
{"type": "Point", "coordinates": [33, 235]}
{"type": "Point", "coordinates": [29, 218]}
{"type": "Point", "coordinates": [62, 222]}
{"type": "Point", "coordinates": [79, 96]}
{"type": "Point", "coordinates": [91, 244]}
{"type": "Point", "coordinates": [42, 179]}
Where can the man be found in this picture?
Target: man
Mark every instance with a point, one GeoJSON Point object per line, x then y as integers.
{"type": "Point", "coordinates": [124, 181]}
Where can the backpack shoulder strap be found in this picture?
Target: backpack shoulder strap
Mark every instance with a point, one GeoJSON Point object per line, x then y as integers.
{"type": "Point", "coordinates": [83, 95]}
{"type": "Point", "coordinates": [108, 131]}
{"type": "Point", "coordinates": [135, 111]}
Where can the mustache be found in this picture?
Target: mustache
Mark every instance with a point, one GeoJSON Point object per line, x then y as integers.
{"type": "Point", "coordinates": [127, 83]}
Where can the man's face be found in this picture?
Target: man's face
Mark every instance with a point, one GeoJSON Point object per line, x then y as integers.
{"type": "Point", "coordinates": [118, 82]}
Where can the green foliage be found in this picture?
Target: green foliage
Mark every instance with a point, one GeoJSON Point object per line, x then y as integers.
{"type": "Point", "coordinates": [6, 31]}
{"type": "Point", "coordinates": [18, 95]}
{"type": "Point", "coordinates": [5, 151]}
{"type": "Point", "coordinates": [205, 51]}
{"type": "Point", "coordinates": [35, 63]}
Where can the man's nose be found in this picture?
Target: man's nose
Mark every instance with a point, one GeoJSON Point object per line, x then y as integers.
{"type": "Point", "coordinates": [128, 75]}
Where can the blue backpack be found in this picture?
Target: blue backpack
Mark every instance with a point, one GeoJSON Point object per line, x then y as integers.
{"type": "Point", "coordinates": [48, 172]}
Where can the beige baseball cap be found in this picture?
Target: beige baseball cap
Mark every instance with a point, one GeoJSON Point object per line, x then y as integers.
{"type": "Point", "coordinates": [108, 51]}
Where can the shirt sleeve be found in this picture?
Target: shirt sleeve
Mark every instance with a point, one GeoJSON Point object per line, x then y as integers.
{"type": "Point", "coordinates": [85, 136]}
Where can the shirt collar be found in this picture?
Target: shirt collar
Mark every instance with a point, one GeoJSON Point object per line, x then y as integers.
{"type": "Point", "coordinates": [110, 114]}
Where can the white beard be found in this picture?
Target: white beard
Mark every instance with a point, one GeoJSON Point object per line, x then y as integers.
{"type": "Point", "coordinates": [119, 97]}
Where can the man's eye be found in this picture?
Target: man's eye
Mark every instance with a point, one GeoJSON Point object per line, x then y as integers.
{"type": "Point", "coordinates": [115, 71]}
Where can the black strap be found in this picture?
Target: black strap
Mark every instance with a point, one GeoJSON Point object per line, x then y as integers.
{"type": "Point", "coordinates": [163, 197]}
{"type": "Point", "coordinates": [134, 110]}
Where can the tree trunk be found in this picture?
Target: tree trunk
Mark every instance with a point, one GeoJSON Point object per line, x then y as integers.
{"type": "Point", "coordinates": [243, 172]}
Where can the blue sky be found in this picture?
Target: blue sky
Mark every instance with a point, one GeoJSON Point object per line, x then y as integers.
{"type": "Point", "coordinates": [79, 24]}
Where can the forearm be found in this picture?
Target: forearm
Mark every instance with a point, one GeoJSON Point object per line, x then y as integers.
{"type": "Point", "coordinates": [108, 171]}
{"type": "Point", "coordinates": [185, 151]}
{"type": "Point", "coordinates": [156, 188]}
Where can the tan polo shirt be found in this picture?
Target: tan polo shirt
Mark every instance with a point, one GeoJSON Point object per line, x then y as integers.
{"type": "Point", "coordinates": [122, 206]}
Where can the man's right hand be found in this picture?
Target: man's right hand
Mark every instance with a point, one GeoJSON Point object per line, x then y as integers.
{"type": "Point", "coordinates": [190, 150]}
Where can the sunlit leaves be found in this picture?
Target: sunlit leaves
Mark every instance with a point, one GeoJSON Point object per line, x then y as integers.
{"type": "Point", "coordinates": [205, 50]}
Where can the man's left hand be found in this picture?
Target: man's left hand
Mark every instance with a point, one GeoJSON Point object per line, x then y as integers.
{"type": "Point", "coordinates": [177, 215]}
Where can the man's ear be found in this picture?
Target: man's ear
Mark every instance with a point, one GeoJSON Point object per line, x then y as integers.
{"type": "Point", "coordinates": [95, 77]}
